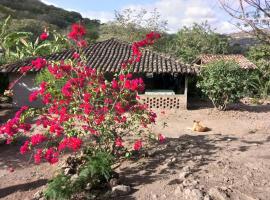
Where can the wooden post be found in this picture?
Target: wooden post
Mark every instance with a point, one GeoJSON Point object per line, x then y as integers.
{"type": "Point", "coordinates": [186, 90]}
{"type": "Point", "coordinates": [186, 85]}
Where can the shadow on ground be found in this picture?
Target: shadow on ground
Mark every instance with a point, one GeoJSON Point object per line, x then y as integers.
{"type": "Point", "coordinates": [22, 187]}
{"type": "Point", "coordinates": [197, 104]}
{"type": "Point", "coordinates": [192, 150]}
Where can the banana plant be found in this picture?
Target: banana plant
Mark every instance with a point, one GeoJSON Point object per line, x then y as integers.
{"type": "Point", "coordinates": [41, 48]}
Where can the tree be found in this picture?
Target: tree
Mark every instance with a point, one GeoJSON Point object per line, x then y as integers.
{"type": "Point", "coordinates": [260, 55]}
{"type": "Point", "coordinates": [198, 39]}
{"type": "Point", "coordinates": [223, 82]}
{"type": "Point", "coordinates": [254, 14]}
{"type": "Point", "coordinates": [130, 25]}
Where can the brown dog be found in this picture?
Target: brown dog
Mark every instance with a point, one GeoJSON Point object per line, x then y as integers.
{"type": "Point", "coordinates": [198, 127]}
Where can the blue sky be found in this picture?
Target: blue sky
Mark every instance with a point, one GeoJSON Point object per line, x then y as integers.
{"type": "Point", "coordinates": [177, 12]}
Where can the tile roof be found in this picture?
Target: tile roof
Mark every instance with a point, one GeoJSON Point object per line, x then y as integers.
{"type": "Point", "coordinates": [241, 60]}
{"type": "Point", "coordinates": [108, 55]}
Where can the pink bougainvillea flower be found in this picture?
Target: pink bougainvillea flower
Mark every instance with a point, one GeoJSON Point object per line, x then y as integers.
{"type": "Point", "coordinates": [51, 155]}
{"type": "Point", "coordinates": [137, 145]}
{"type": "Point", "coordinates": [82, 43]}
{"type": "Point", "coordinates": [25, 147]}
{"type": "Point", "coordinates": [39, 63]}
{"type": "Point", "coordinates": [37, 139]}
{"type": "Point", "coordinates": [44, 36]}
{"type": "Point", "coordinates": [119, 142]}
{"type": "Point", "coordinates": [38, 156]}
{"type": "Point", "coordinates": [76, 55]}
{"type": "Point", "coordinates": [161, 138]}
{"type": "Point", "coordinates": [77, 32]}
{"type": "Point", "coordinates": [71, 143]}
{"type": "Point", "coordinates": [25, 69]}
{"type": "Point", "coordinates": [33, 96]}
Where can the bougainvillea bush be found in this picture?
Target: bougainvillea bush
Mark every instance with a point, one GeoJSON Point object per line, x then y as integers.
{"type": "Point", "coordinates": [82, 109]}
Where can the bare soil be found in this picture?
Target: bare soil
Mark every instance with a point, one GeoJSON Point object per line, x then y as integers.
{"type": "Point", "coordinates": [230, 162]}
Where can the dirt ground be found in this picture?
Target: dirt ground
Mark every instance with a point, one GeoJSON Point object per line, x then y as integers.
{"type": "Point", "coordinates": [230, 162]}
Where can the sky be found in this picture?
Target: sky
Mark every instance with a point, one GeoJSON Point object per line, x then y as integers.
{"type": "Point", "coordinates": [177, 13]}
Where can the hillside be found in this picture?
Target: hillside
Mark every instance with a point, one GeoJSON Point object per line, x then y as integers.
{"type": "Point", "coordinates": [33, 15]}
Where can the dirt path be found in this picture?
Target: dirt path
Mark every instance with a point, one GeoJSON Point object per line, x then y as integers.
{"type": "Point", "coordinates": [231, 162]}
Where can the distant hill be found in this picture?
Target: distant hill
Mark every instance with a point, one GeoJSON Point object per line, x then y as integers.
{"type": "Point", "coordinates": [33, 15]}
{"type": "Point", "coordinates": [243, 40]}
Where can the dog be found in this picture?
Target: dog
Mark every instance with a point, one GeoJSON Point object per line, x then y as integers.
{"type": "Point", "coordinates": [199, 127]}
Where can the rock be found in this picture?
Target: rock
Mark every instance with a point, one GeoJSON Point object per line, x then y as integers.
{"type": "Point", "coordinates": [207, 197]}
{"type": "Point", "coordinates": [152, 152]}
{"type": "Point", "coordinates": [113, 182]}
{"type": "Point", "coordinates": [186, 169]}
{"type": "Point", "coordinates": [199, 158]}
{"type": "Point", "coordinates": [38, 195]}
{"type": "Point", "coordinates": [73, 178]}
{"type": "Point", "coordinates": [178, 190]}
{"type": "Point", "coordinates": [183, 175]}
{"type": "Point", "coordinates": [142, 172]}
{"type": "Point", "coordinates": [121, 190]}
{"type": "Point", "coordinates": [154, 196]}
{"type": "Point", "coordinates": [172, 161]}
{"type": "Point", "coordinates": [193, 194]}
{"type": "Point", "coordinates": [179, 148]}
{"type": "Point", "coordinates": [88, 186]}
{"type": "Point", "coordinates": [218, 193]}
{"type": "Point", "coordinates": [190, 183]}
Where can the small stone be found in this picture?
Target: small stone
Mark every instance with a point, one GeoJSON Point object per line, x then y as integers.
{"type": "Point", "coordinates": [190, 183]}
{"type": "Point", "coordinates": [178, 190]}
{"type": "Point", "coordinates": [88, 186]}
{"type": "Point", "coordinates": [38, 195]}
{"type": "Point", "coordinates": [74, 177]}
{"type": "Point", "coordinates": [193, 194]}
{"type": "Point", "coordinates": [183, 175]}
{"type": "Point", "coordinates": [154, 196]}
{"type": "Point", "coordinates": [152, 152]}
{"type": "Point", "coordinates": [179, 148]}
{"type": "Point", "coordinates": [113, 182]}
{"type": "Point", "coordinates": [199, 157]}
{"type": "Point", "coordinates": [207, 197]}
{"type": "Point", "coordinates": [142, 172]}
{"type": "Point", "coordinates": [218, 193]}
{"type": "Point", "coordinates": [121, 190]}
{"type": "Point", "coordinates": [172, 161]}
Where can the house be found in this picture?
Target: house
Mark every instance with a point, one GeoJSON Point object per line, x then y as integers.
{"type": "Point", "coordinates": [241, 60]}
{"type": "Point", "coordinates": [165, 77]}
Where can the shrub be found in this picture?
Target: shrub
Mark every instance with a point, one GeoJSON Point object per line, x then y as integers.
{"type": "Point", "coordinates": [80, 103]}
{"type": "Point", "coordinates": [93, 172]}
{"type": "Point", "coordinates": [223, 82]}
{"type": "Point", "coordinates": [260, 77]}
{"type": "Point", "coordinates": [83, 110]}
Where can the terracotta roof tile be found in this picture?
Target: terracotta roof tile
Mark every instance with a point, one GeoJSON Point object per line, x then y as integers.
{"type": "Point", "coordinates": [241, 60]}
{"type": "Point", "coordinates": [108, 55]}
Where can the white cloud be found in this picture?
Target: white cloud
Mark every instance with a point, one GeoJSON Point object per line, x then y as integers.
{"type": "Point", "coordinates": [49, 3]}
{"type": "Point", "coordinates": [226, 27]}
{"type": "Point", "coordinates": [178, 13]}
{"type": "Point", "coordinates": [101, 15]}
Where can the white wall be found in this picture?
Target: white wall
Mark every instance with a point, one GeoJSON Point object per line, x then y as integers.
{"type": "Point", "coordinates": [22, 89]}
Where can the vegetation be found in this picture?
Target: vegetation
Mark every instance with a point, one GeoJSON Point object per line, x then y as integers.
{"type": "Point", "coordinates": [91, 172]}
{"type": "Point", "coordinates": [131, 25]}
{"type": "Point", "coordinates": [199, 39]}
{"type": "Point", "coordinates": [33, 16]}
{"type": "Point", "coordinates": [83, 112]}
{"type": "Point", "coordinates": [224, 83]}
{"type": "Point", "coordinates": [252, 14]}
{"type": "Point", "coordinates": [260, 77]}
